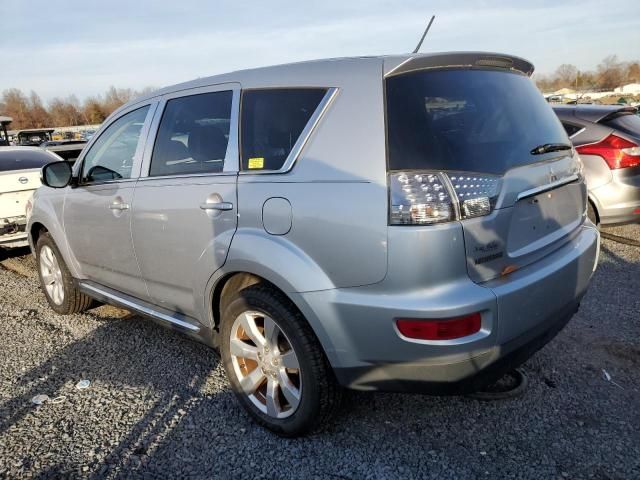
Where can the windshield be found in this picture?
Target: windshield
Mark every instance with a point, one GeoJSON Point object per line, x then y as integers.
{"type": "Point", "coordinates": [469, 120]}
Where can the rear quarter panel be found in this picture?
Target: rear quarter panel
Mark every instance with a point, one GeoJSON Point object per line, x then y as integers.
{"type": "Point", "coordinates": [337, 190]}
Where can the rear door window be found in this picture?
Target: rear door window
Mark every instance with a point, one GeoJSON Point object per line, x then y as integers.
{"type": "Point", "coordinates": [272, 121]}
{"type": "Point", "coordinates": [470, 120]}
{"type": "Point", "coordinates": [193, 135]}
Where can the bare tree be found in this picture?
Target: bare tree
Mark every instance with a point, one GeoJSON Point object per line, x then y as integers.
{"type": "Point", "coordinates": [610, 73]}
{"type": "Point", "coordinates": [566, 74]}
{"type": "Point", "coordinates": [93, 111]}
{"type": "Point", "coordinates": [38, 115]}
{"type": "Point", "coordinates": [16, 105]}
{"type": "Point", "coordinates": [632, 74]}
{"type": "Point", "coordinates": [29, 112]}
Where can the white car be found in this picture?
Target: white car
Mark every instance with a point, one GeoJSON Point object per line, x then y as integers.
{"type": "Point", "coordinates": [19, 178]}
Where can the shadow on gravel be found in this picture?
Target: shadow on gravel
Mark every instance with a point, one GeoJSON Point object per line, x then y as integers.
{"type": "Point", "coordinates": [564, 419]}
{"type": "Point", "coordinates": [113, 357]}
{"type": "Point", "coordinates": [13, 252]}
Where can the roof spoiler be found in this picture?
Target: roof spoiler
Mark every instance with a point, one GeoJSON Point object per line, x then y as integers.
{"type": "Point", "coordinates": [463, 60]}
{"type": "Point", "coordinates": [617, 112]}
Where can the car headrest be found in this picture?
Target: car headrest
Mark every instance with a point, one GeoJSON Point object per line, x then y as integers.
{"type": "Point", "coordinates": [207, 142]}
{"type": "Point", "coordinates": [175, 150]}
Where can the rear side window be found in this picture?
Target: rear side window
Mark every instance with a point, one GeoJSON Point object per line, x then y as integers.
{"type": "Point", "coordinates": [627, 123]}
{"type": "Point", "coordinates": [272, 121]}
{"type": "Point", "coordinates": [469, 120]}
{"type": "Point", "coordinates": [571, 129]}
{"type": "Point", "coordinates": [193, 135]}
{"type": "Point", "coordinates": [11, 159]}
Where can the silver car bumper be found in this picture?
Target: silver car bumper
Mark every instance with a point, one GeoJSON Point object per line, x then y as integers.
{"type": "Point", "coordinates": [520, 314]}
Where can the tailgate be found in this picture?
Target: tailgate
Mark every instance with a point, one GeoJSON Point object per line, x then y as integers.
{"type": "Point", "coordinates": [541, 206]}
{"type": "Point", "coordinates": [16, 188]}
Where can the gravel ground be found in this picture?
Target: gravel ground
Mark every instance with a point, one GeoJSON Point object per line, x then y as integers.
{"type": "Point", "coordinates": [159, 405]}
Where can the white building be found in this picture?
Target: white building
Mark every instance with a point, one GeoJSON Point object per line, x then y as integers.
{"type": "Point", "coordinates": [632, 88]}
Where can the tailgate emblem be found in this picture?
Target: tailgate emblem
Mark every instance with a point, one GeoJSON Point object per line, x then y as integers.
{"type": "Point", "coordinates": [23, 180]}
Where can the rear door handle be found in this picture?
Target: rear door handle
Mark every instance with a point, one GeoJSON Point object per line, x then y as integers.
{"type": "Point", "coordinates": [119, 206]}
{"type": "Point", "coordinates": [217, 206]}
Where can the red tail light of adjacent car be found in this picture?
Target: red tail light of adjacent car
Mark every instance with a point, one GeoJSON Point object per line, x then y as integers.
{"type": "Point", "coordinates": [616, 151]}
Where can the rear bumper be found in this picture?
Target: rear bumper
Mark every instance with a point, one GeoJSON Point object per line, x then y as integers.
{"type": "Point", "coordinates": [617, 200]}
{"type": "Point", "coordinates": [12, 232]}
{"type": "Point", "coordinates": [472, 374]}
{"type": "Point", "coordinates": [520, 314]}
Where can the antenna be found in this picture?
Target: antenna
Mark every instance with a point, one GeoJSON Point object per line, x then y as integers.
{"type": "Point", "coordinates": [424, 34]}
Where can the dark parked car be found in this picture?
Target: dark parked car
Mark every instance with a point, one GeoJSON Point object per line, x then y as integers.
{"type": "Point", "coordinates": [607, 137]}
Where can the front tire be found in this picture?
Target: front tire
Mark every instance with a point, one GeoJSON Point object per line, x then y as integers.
{"type": "Point", "coordinates": [275, 364]}
{"type": "Point", "coordinates": [58, 286]}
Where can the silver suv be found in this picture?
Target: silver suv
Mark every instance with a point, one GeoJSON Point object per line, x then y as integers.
{"type": "Point", "coordinates": [406, 223]}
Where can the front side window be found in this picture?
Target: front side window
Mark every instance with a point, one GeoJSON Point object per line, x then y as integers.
{"type": "Point", "coordinates": [272, 121]}
{"type": "Point", "coordinates": [111, 156]}
{"type": "Point", "coordinates": [193, 135]}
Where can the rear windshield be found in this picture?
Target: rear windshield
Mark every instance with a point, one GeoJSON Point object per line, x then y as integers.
{"type": "Point", "coordinates": [628, 123]}
{"type": "Point", "coordinates": [14, 159]}
{"type": "Point", "coordinates": [470, 120]}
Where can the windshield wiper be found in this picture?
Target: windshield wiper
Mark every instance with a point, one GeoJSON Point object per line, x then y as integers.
{"type": "Point", "coordinates": [550, 147]}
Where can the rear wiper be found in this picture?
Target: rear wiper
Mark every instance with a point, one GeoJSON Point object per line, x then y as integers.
{"type": "Point", "coordinates": [550, 147]}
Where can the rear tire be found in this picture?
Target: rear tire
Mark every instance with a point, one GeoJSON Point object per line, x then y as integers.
{"type": "Point", "coordinates": [289, 386]}
{"type": "Point", "coordinates": [58, 285]}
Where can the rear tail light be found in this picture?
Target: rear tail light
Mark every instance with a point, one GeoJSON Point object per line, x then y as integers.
{"type": "Point", "coordinates": [616, 151]}
{"type": "Point", "coordinates": [425, 198]}
{"type": "Point", "coordinates": [439, 329]}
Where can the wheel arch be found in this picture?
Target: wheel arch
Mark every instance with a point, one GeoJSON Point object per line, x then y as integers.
{"type": "Point", "coordinates": [228, 283]}
{"type": "Point", "coordinates": [596, 207]}
{"type": "Point", "coordinates": [36, 229]}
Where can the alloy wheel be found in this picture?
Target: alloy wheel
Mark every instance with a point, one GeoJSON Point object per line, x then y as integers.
{"type": "Point", "coordinates": [51, 274]}
{"type": "Point", "coordinates": [265, 364]}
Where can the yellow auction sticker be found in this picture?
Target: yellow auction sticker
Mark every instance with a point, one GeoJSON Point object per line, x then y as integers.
{"type": "Point", "coordinates": [257, 162]}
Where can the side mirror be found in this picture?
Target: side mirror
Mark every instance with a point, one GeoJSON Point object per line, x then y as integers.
{"type": "Point", "coordinates": [56, 174]}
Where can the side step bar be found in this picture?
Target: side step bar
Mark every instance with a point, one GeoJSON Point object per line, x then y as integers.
{"type": "Point", "coordinates": [107, 295]}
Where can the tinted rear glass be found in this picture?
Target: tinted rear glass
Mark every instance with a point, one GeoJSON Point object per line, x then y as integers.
{"type": "Point", "coordinates": [570, 128]}
{"type": "Point", "coordinates": [12, 159]}
{"type": "Point", "coordinates": [470, 120]}
{"type": "Point", "coordinates": [628, 123]}
{"type": "Point", "coordinates": [272, 121]}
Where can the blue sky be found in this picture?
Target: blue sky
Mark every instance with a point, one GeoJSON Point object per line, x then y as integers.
{"type": "Point", "coordinates": [82, 47]}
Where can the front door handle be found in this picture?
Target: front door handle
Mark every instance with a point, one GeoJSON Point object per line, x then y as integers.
{"type": "Point", "coordinates": [119, 206]}
{"type": "Point", "coordinates": [216, 206]}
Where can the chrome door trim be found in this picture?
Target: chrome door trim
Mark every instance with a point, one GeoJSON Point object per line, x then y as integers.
{"type": "Point", "coordinates": [545, 188]}
{"type": "Point", "coordinates": [107, 296]}
{"type": "Point", "coordinates": [304, 137]}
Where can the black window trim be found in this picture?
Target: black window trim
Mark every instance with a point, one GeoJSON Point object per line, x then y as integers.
{"type": "Point", "coordinates": [140, 147]}
{"type": "Point", "coordinates": [305, 135]}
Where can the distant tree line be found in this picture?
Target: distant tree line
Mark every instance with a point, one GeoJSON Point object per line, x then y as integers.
{"type": "Point", "coordinates": [609, 74]}
{"type": "Point", "coordinates": [28, 111]}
